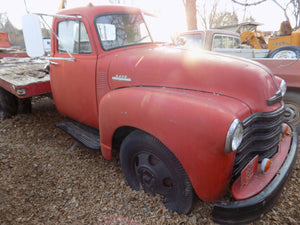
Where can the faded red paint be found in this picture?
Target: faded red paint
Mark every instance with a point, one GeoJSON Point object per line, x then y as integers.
{"type": "Point", "coordinates": [186, 100]}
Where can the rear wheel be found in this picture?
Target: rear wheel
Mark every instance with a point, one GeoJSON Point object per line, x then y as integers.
{"type": "Point", "coordinates": [8, 104]}
{"type": "Point", "coordinates": [148, 163]}
{"type": "Point", "coordinates": [285, 52]}
{"type": "Point", "coordinates": [24, 106]}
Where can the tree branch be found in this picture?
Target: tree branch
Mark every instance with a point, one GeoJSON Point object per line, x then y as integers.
{"type": "Point", "coordinates": [284, 9]}
{"type": "Point", "coordinates": [248, 4]}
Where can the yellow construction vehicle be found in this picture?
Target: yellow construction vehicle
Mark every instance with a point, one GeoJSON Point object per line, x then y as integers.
{"type": "Point", "coordinates": [286, 37]}
{"type": "Point", "coordinates": [284, 45]}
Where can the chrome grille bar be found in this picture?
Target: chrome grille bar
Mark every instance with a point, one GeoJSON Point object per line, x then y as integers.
{"type": "Point", "coordinates": [261, 137]}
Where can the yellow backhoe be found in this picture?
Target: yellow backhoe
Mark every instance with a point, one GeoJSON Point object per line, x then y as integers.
{"type": "Point", "coordinates": [284, 45]}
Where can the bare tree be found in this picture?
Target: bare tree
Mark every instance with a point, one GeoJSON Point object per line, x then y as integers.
{"type": "Point", "coordinates": [207, 10]}
{"type": "Point", "coordinates": [247, 3]}
{"type": "Point", "coordinates": [15, 35]}
{"type": "Point", "coordinates": [3, 21]}
{"type": "Point", "coordinates": [288, 7]}
{"type": "Point", "coordinates": [191, 14]}
{"type": "Point", "coordinates": [296, 12]}
{"type": "Point", "coordinates": [224, 18]}
{"type": "Point", "coordinates": [210, 16]}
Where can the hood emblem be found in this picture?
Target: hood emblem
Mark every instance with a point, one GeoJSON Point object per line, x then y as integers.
{"type": "Point", "coordinates": [121, 78]}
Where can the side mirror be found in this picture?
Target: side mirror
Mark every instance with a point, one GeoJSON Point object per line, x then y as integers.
{"type": "Point", "coordinates": [33, 35]}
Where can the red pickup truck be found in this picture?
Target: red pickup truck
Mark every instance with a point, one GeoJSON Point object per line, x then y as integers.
{"type": "Point", "coordinates": [185, 123]}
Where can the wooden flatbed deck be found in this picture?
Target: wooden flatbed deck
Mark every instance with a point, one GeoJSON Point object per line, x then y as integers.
{"type": "Point", "coordinates": [24, 77]}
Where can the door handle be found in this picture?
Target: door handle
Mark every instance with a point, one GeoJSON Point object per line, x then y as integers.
{"type": "Point", "coordinates": [54, 63]}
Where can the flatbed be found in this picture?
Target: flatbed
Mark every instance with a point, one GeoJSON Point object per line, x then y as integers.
{"type": "Point", "coordinates": [24, 77]}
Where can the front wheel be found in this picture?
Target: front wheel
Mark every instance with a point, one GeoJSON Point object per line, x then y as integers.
{"type": "Point", "coordinates": [292, 109]}
{"type": "Point", "coordinates": [148, 163]}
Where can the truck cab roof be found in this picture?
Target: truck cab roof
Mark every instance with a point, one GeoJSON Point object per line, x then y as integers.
{"type": "Point", "coordinates": [92, 11]}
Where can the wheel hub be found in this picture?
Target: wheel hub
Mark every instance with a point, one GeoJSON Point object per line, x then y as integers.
{"type": "Point", "coordinates": [286, 54]}
{"type": "Point", "coordinates": [152, 174]}
{"type": "Point", "coordinates": [147, 179]}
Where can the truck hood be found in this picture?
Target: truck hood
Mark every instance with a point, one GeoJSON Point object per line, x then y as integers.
{"type": "Point", "coordinates": [173, 67]}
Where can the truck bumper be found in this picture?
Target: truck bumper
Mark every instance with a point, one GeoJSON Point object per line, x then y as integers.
{"type": "Point", "coordinates": [254, 208]}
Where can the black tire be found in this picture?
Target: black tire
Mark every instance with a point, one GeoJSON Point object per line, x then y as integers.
{"type": "Point", "coordinates": [147, 162]}
{"type": "Point", "coordinates": [292, 109]}
{"type": "Point", "coordinates": [24, 106]}
{"type": "Point", "coordinates": [8, 104]}
{"type": "Point", "coordinates": [285, 52]}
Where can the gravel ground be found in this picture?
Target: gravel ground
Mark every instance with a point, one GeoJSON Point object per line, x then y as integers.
{"type": "Point", "coordinates": [48, 178]}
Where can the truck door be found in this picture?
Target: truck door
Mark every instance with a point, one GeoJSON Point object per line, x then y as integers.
{"type": "Point", "coordinates": [73, 82]}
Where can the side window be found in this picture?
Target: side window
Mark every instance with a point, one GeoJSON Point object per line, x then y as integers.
{"type": "Point", "coordinates": [73, 37]}
{"type": "Point", "coordinates": [225, 41]}
{"type": "Point", "coordinates": [236, 42]}
{"type": "Point", "coordinates": [217, 42]}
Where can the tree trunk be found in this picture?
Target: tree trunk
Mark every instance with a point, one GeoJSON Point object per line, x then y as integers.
{"type": "Point", "coordinates": [191, 12]}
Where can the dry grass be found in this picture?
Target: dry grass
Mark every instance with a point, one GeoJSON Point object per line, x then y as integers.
{"type": "Point", "coordinates": [47, 178]}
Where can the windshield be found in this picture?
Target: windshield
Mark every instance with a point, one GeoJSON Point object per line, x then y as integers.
{"type": "Point", "coordinates": [123, 29]}
{"type": "Point", "coordinates": [120, 30]}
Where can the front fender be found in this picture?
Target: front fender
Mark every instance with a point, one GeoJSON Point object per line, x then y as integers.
{"type": "Point", "coordinates": [193, 125]}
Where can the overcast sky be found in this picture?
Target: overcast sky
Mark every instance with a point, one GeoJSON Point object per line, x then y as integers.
{"type": "Point", "coordinates": [267, 13]}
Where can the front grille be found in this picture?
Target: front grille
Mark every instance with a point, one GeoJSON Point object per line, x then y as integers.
{"type": "Point", "coordinates": [261, 137]}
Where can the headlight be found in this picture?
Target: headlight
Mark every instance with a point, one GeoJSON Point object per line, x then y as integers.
{"type": "Point", "coordinates": [234, 136]}
{"type": "Point", "coordinates": [282, 87]}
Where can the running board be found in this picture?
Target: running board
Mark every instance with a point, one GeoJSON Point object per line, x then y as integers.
{"type": "Point", "coordinates": [88, 136]}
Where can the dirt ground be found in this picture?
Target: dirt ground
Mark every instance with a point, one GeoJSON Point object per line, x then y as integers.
{"type": "Point", "coordinates": [48, 178]}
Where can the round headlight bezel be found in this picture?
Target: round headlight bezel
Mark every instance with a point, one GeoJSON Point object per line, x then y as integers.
{"type": "Point", "coordinates": [234, 136]}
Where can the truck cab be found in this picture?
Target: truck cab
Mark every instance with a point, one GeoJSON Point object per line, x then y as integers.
{"type": "Point", "coordinates": [185, 122]}
{"type": "Point", "coordinates": [217, 40]}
